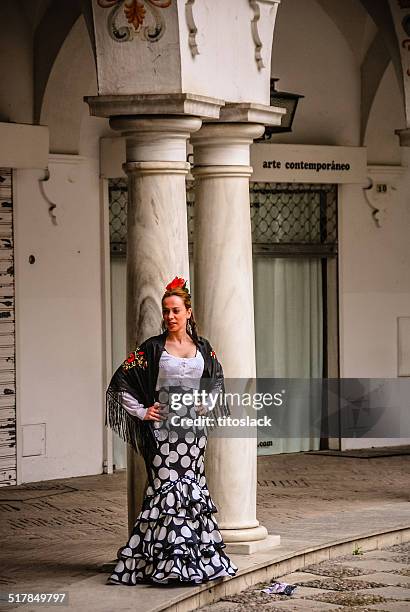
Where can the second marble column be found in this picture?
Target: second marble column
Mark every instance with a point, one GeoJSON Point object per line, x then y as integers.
{"type": "Point", "coordinates": [224, 310]}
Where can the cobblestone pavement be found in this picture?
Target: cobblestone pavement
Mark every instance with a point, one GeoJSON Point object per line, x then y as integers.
{"type": "Point", "coordinates": [376, 580]}
{"type": "Point", "coordinates": [57, 533]}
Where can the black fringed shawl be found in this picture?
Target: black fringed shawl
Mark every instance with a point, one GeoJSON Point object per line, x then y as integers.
{"type": "Point", "coordinates": [137, 375]}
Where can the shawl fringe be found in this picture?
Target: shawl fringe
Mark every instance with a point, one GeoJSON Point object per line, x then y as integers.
{"type": "Point", "coordinates": [132, 430]}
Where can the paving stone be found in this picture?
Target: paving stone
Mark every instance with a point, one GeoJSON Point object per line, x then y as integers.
{"type": "Point", "coordinates": [296, 577]}
{"type": "Point", "coordinates": [392, 606]}
{"type": "Point", "coordinates": [385, 578]}
{"type": "Point", "coordinates": [221, 606]}
{"type": "Point", "coordinates": [392, 592]}
{"type": "Point", "coordinates": [254, 597]}
{"type": "Point", "coordinates": [403, 572]}
{"type": "Point", "coordinates": [303, 592]}
{"type": "Point", "coordinates": [401, 548]}
{"type": "Point", "coordinates": [366, 608]}
{"type": "Point", "coordinates": [351, 598]}
{"type": "Point", "coordinates": [334, 568]}
{"type": "Point", "coordinates": [340, 584]}
{"type": "Point", "coordinates": [298, 606]}
{"type": "Point", "coordinates": [383, 555]}
{"type": "Point", "coordinates": [402, 558]}
{"type": "Point", "coordinates": [375, 565]}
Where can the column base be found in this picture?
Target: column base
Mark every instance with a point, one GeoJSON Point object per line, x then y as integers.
{"type": "Point", "coordinates": [250, 548]}
{"type": "Point", "coordinates": [244, 534]}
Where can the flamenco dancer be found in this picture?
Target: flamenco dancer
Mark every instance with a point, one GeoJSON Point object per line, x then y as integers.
{"type": "Point", "coordinates": [175, 538]}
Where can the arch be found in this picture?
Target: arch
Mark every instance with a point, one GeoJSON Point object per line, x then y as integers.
{"type": "Point", "coordinates": [373, 55]}
{"type": "Point", "coordinates": [16, 75]}
{"type": "Point", "coordinates": [72, 76]}
{"type": "Point", "coordinates": [386, 115]}
{"type": "Point", "coordinates": [330, 112]}
{"type": "Point", "coordinates": [372, 71]}
{"type": "Point", "coordinates": [50, 34]}
{"type": "Point", "coordinates": [353, 22]}
{"type": "Point", "coordinates": [381, 15]}
{"type": "Point", "coordinates": [369, 32]}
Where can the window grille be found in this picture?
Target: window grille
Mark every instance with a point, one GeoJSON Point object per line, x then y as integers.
{"type": "Point", "coordinates": [118, 200]}
{"type": "Point", "coordinates": [292, 218]}
{"type": "Point", "coordinates": [286, 218]}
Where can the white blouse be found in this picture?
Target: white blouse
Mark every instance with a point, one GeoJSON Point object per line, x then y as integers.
{"type": "Point", "coordinates": [173, 371]}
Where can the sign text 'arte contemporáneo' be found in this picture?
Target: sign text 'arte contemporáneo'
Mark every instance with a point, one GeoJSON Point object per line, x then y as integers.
{"type": "Point", "coordinates": [304, 165]}
{"type": "Point", "coordinates": [308, 164]}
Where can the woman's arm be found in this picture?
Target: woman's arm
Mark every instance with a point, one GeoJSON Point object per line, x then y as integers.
{"type": "Point", "coordinates": [132, 406]}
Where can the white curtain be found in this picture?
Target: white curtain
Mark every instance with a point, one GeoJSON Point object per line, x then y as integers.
{"type": "Point", "coordinates": [119, 340]}
{"type": "Point", "coordinates": [289, 338]}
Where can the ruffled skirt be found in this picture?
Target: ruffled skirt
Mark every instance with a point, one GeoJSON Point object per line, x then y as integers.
{"type": "Point", "coordinates": [175, 537]}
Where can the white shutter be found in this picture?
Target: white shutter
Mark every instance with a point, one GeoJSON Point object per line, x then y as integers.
{"type": "Point", "coordinates": [7, 337]}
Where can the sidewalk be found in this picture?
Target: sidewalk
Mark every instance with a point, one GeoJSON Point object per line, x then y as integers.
{"type": "Point", "coordinates": [56, 535]}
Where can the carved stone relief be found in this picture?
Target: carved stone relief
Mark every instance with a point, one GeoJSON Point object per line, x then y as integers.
{"type": "Point", "coordinates": [128, 19]}
{"type": "Point", "coordinates": [189, 16]}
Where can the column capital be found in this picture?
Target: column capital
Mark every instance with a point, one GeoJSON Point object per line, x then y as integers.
{"type": "Point", "coordinates": [404, 136]}
{"type": "Point", "coordinates": [156, 138]}
{"type": "Point", "coordinates": [225, 144]}
{"type": "Point", "coordinates": [249, 112]}
{"type": "Point", "coordinates": [154, 104]}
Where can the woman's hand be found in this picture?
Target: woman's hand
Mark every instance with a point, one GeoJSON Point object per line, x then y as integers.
{"type": "Point", "coordinates": [154, 413]}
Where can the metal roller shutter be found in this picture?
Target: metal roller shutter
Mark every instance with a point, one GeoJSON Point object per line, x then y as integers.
{"type": "Point", "coordinates": [8, 459]}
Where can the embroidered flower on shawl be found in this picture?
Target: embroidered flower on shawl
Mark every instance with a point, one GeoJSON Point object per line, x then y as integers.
{"type": "Point", "coordinates": [213, 354]}
{"type": "Point", "coordinates": [135, 359]}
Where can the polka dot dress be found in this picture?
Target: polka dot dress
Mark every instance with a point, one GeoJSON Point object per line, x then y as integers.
{"type": "Point", "coordinates": [176, 537]}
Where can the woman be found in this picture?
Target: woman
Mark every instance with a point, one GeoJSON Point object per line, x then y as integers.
{"type": "Point", "coordinates": [175, 538]}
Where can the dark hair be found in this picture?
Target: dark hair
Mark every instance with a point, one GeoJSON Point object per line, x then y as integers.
{"type": "Point", "coordinates": [186, 298]}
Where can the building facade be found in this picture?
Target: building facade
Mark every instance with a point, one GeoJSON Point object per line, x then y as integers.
{"type": "Point", "coordinates": [87, 87]}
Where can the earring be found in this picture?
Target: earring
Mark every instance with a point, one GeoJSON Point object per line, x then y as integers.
{"type": "Point", "coordinates": [189, 326]}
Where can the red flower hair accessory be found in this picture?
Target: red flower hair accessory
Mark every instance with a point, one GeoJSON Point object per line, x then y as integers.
{"type": "Point", "coordinates": [176, 283]}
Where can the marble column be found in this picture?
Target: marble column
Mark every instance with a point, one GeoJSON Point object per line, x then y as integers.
{"type": "Point", "coordinates": [157, 238]}
{"type": "Point", "coordinates": [224, 310]}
